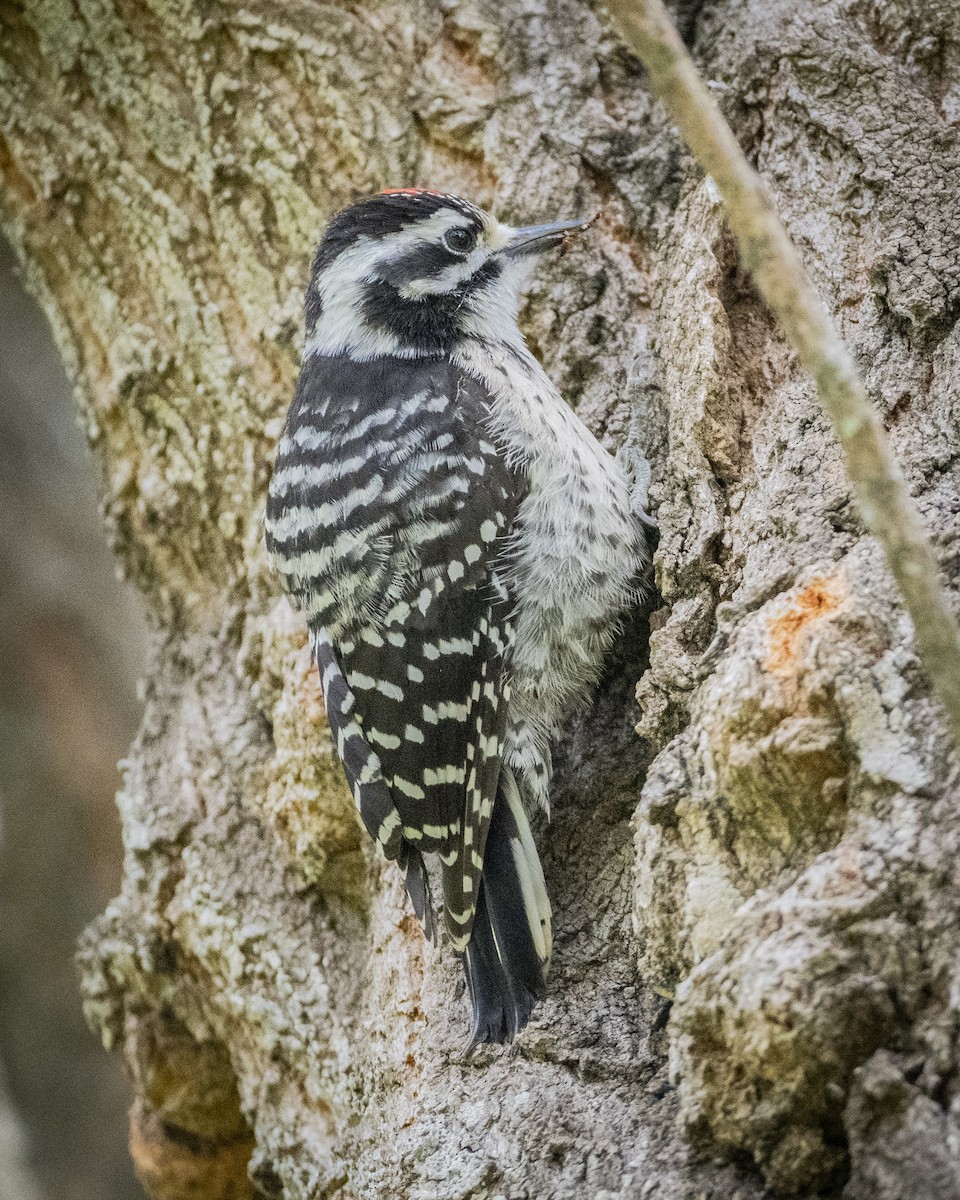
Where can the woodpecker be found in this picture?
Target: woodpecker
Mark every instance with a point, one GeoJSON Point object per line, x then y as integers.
{"type": "Point", "coordinates": [462, 549]}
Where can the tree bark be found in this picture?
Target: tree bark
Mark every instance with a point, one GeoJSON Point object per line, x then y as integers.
{"type": "Point", "coordinates": [756, 895]}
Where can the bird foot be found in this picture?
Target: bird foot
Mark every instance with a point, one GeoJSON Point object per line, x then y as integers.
{"type": "Point", "coordinates": [636, 467]}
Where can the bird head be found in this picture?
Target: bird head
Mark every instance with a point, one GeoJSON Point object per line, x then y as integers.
{"type": "Point", "coordinates": [413, 272]}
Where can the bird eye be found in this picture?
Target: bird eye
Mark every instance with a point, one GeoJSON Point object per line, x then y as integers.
{"type": "Point", "coordinates": [460, 240]}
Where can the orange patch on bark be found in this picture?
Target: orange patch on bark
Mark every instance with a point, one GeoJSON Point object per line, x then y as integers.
{"type": "Point", "coordinates": [309, 688]}
{"type": "Point", "coordinates": [821, 599]}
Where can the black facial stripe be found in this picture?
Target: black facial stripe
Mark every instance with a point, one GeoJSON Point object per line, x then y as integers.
{"type": "Point", "coordinates": [487, 273]}
{"type": "Point", "coordinates": [430, 324]}
{"type": "Point", "coordinates": [421, 263]}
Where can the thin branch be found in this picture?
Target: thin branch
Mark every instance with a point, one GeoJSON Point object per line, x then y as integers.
{"type": "Point", "coordinates": [771, 257]}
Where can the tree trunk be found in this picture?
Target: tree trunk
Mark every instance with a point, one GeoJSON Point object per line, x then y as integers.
{"type": "Point", "coordinates": [756, 896]}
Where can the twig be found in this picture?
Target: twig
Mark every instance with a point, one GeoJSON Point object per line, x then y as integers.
{"type": "Point", "coordinates": [771, 257]}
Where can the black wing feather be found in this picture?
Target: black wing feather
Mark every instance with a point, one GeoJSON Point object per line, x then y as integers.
{"type": "Point", "coordinates": [391, 550]}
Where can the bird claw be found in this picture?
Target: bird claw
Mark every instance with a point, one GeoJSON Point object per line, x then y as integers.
{"type": "Point", "coordinates": [636, 467]}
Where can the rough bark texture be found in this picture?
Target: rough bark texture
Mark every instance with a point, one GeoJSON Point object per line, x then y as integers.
{"type": "Point", "coordinates": [776, 850]}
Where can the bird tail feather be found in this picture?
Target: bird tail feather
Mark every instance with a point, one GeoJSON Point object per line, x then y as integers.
{"type": "Point", "coordinates": [506, 958]}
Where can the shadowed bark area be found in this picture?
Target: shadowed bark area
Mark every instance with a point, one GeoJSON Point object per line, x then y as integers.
{"type": "Point", "coordinates": [756, 900]}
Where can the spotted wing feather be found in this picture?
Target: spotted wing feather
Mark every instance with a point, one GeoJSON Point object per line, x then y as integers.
{"type": "Point", "coordinates": [394, 567]}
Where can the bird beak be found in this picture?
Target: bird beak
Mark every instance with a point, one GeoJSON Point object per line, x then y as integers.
{"type": "Point", "coordinates": [533, 239]}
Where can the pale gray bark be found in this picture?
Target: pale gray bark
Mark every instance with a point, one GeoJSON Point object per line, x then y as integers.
{"type": "Point", "coordinates": [776, 849]}
{"type": "Point", "coordinates": [769, 256]}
